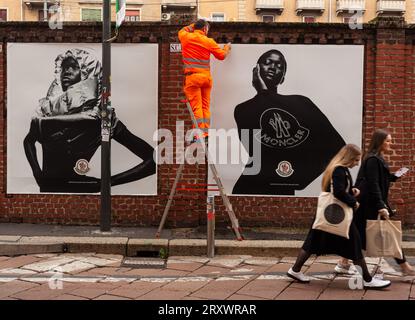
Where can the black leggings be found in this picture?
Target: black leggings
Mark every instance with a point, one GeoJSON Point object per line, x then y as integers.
{"type": "Point", "coordinates": [304, 255]}
{"type": "Point", "coordinates": [400, 261]}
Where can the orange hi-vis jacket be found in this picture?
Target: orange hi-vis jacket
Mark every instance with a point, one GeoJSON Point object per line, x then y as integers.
{"type": "Point", "coordinates": [196, 50]}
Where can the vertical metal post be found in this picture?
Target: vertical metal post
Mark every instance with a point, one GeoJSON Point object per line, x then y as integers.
{"type": "Point", "coordinates": [45, 10]}
{"type": "Point", "coordinates": [105, 221]}
{"type": "Point", "coordinates": [21, 11]}
{"type": "Point", "coordinates": [330, 8]}
{"type": "Point", "coordinates": [211, 226]}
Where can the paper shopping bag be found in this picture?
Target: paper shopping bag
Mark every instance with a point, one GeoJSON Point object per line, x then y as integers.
{"type": "Point", "coordinates": [383, 238]}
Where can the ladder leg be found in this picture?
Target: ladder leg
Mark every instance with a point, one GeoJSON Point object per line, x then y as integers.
{"type": "Point", "coordinates": [170, 199]}
{"type": "Point", "coordinates": [235, 224]}
{"type": "Point", "coordinates": [192, 115]}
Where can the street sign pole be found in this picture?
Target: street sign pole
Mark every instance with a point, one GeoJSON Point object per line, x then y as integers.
{"type": "Point", "coordinates": [105, 220]}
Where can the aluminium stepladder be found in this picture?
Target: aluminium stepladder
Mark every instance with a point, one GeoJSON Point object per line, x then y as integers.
{"type": "Point", "coordinates": [234, 221]}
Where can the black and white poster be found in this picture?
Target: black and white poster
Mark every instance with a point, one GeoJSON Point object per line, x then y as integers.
{"type": "Point", "coordinates": [281, 112]}
{"type": "Point", "coordinates": [54, 130]}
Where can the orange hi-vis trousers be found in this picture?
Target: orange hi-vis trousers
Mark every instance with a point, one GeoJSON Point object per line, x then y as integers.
{"type": "Point", "coordinates": [197, 87]}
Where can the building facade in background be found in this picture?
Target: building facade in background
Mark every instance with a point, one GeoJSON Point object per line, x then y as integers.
{"type": "Point", "coordinates": [335, 11]}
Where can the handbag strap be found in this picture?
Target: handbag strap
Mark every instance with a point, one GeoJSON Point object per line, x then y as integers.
{"type": "Point", "coordinates": [348, 178]}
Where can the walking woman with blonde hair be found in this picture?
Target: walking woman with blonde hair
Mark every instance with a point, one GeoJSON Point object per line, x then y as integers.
{"type": "Point", "coordinates": [338, 178]}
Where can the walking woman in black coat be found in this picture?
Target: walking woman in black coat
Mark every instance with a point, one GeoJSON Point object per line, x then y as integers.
{"type": "Point", "coordinates": [320, 242]}
{"type": "Point", "coordinates": [374, 180]}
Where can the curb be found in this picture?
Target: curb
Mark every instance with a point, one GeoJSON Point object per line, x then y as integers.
{"type": "Point", "coordinates": [133, 247]}
{"type": "Point", "coordinates": [260, 248]}
{"type": "Point", "coordinates": [18, 249]}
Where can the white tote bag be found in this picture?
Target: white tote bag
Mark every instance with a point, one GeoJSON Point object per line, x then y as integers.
{"type": "Point", "coordinates": [333, 216]}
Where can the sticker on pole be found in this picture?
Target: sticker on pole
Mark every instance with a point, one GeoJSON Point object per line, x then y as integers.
{"type": "Point", "coordinates": [105, 134]}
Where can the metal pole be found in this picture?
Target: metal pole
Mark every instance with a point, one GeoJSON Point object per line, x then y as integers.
{"type": "Point", "coordinates": [330, 8]}
{"type": "Point", "coordinates": [106, 120]}
{"type": "Point", "coordinates": [45, 10]}
{"type": "Point", "coordinates": [211, 226]}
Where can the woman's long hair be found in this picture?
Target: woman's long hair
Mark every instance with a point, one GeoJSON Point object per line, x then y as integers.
{"type": "Point", "coordinates": [376, 142]}
{"type": "Point", "coordinates": [344, 158]}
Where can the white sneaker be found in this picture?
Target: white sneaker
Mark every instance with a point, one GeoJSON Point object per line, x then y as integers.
{"type": "Point", "coordinates": [376, 284]}
{"type": "Point", "coordinates": [342, 269]}
{"type": "Point", "coordinates": [299, 276]}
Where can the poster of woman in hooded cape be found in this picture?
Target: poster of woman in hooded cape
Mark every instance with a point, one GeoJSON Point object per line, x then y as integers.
{"type": "Point", "coordinates": [67, 126]}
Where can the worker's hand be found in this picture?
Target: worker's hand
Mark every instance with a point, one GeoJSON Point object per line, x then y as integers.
{"type": "Point", "coordinates": [257, 81]}
{"type": "Point", "coordinates": [384, 213]}
{"type": "Point", "coordinates": [190, 27]}
{"type": "Point", "coordinates": [356, 192]}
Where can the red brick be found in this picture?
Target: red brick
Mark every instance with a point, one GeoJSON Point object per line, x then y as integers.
{"type": "Point", "coordinates": [388, 102]}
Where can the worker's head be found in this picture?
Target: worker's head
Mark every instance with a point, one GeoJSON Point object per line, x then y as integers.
{"type": "Point", "coordinates": [202, 24]}
{"type": "Point", "coordinates": [272, 68]}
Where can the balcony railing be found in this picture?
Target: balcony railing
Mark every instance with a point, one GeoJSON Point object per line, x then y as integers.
{"type": "Point", "coordinates": [38, 3]}
{"type": "Point", "coordinates": [269, 5]}
{"type": "Point", "coordinates": [179, 3]}
{"type": "Point", "coordinates": [135, 2]}
{"type": "Point", "coordinates": [129, 2]}
{"type": "Point", "coordinates": [391, 6]}
{"type": "Point", "coordinates": [350, 5]}
{"type": "Point", "coordinates": [312, 5]}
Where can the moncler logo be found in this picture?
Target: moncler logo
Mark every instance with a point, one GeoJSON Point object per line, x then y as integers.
{"type": "Point", "coordinates": [284, 169]}
{"type": "Point", "coordinates": [280, 129]}
{"type": "Point", "coordinates": [81, 167]}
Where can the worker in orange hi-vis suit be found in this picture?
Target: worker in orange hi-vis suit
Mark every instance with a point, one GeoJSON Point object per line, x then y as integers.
{"type": "Point", "coordinates": [196, 50]}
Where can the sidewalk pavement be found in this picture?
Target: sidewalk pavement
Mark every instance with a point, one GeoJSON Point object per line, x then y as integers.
{"type": "Point", "coordinates": [51, 262]}
{"type": "Point", "coordinates": [23, 239]}
{"type": "Point", "coordinates": [92, 276]}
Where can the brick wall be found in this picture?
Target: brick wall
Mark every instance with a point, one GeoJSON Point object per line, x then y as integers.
{"type": "Point", "coordinates": [388, 102]}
